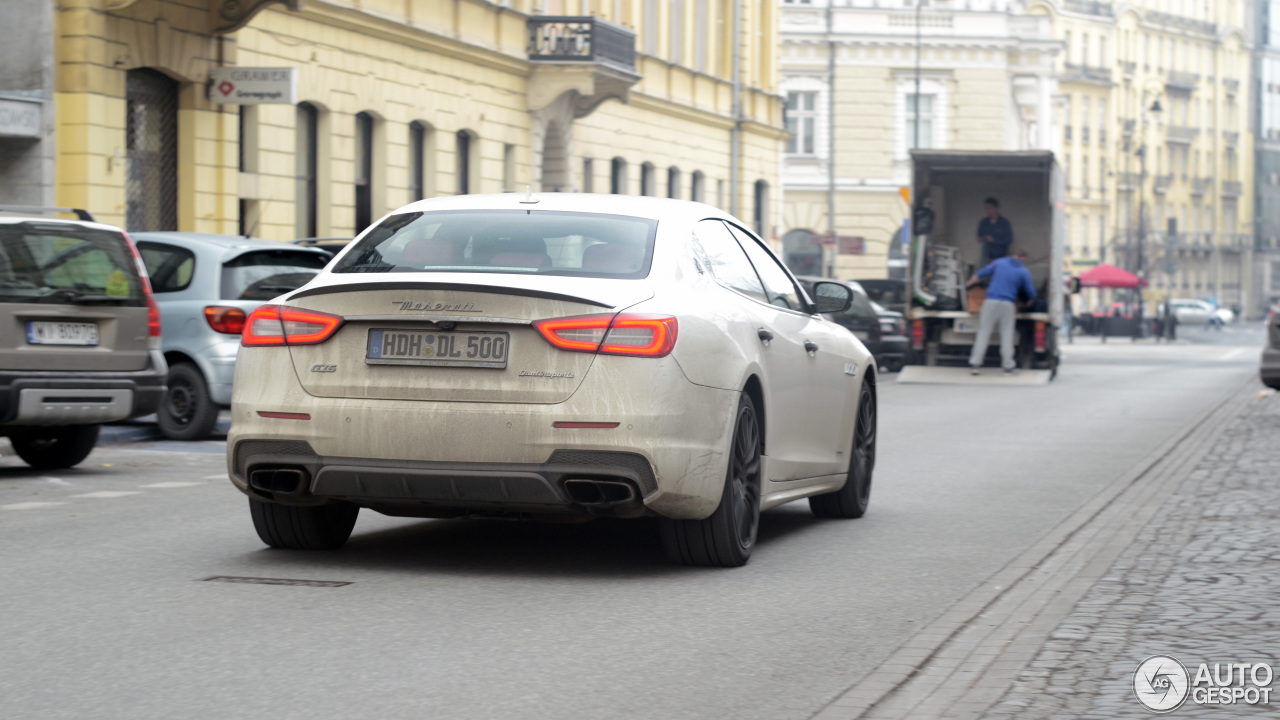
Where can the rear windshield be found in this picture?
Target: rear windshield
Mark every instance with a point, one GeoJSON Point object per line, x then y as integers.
{"type": "Point", "coordinates": [67, 264]}
{"type": "Point", "coordinates": [506, 241]}
{"type": "Point", "coordinates": [265, 274]}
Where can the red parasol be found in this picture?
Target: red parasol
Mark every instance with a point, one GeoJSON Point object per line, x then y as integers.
{"type": "Point", "coordinates": [1110, 276]}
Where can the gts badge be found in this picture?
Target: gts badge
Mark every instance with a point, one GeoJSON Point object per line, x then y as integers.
{"type": "Point", "coordinates": [849, 369]}
{"type": "Point", "coordinates": [324, 368]}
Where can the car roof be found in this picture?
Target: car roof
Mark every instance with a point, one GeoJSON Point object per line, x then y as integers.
{"type": "Point", "coordinates": [630, 205]}
{"type": "Point", "coordinates": [232, 245]}
{"type": "Point", "coordinates": [10, 218]}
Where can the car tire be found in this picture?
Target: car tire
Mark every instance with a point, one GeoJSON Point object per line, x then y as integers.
{"type": "Point", "coordinates": [727, 537]}
{"type": "Point", "coordinates": [187, 412]}
{"type": "Point", "coordinates": [314, 527]}
{"type": "Point", "coordinates": [55, 448]}
{"type": "Point", "coordinates": [851, 500]}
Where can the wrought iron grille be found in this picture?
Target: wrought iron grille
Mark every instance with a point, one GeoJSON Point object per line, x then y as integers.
{"type": "Point", "coordinates": [151, 140]}
{"type": "Point", "coordinates": [558, 39]}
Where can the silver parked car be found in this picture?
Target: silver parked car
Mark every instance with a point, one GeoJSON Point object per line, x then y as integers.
{"type": "Point", "coordinates": [206, 286]}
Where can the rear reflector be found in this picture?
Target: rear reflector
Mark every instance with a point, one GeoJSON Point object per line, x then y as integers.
{"type": "Point", "coordinates": [586, 425]}
{"type": "Point", "coordinates": [917, 335]}
{"type": "Point", "coordinates": [284, 325]}
{"type": "Point", "coordinates": [1039, 337]}
{"type": "Point", "coordinates": [223, 319]}
{"type": "Point", "coordinates": [153, 308]}
{"type": "Point", "coordinates": [283, 415]}
{"type": "Point", "coordinates": [651, 336]}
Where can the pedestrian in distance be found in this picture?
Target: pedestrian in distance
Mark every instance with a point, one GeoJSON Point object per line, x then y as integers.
{"type": "Point", "coordinates": [1214, 321]}
{"type": "Point", "coordinates": [994, 232]}
{"type": "Point", "coordinates": [1010, 284]}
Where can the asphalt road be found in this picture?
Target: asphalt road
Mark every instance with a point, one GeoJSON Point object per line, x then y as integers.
{"type": "Point", "coordinates": [105, 610]}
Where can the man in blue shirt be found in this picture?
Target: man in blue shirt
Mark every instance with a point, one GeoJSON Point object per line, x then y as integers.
{"type": "Point", "coordinates": [1010, 283]}
{"type": "Point", "coordinates": [994, 232]}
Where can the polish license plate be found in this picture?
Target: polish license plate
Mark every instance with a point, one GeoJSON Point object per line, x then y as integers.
{"type": "Point", "coordinates": [61, 333]}
{"type": "Point", "coordinates": [449, 349]}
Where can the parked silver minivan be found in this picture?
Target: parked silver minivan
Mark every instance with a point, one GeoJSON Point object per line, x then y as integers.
{"type": "Point", "coordinates": [79, 334]}
{"type": "Point", "coordinates": [206, 286]}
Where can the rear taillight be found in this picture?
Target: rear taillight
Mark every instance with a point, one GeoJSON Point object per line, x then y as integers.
{"type": "Point", "coordinates": [284, 325]}
{"type": "Point", "coordinates": [651, 336]}
{"type": "Point", "coordinates": [917, 335]}
{"type": "Point", "coordinates": [1040, 337]}
{"type": "Point", "coordinates": [153, 308]}
{"type": "Point", "coordinates": [223, 319]}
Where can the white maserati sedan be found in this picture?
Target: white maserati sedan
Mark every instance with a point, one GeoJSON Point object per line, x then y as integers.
{"type": "Point", "coordinates": [553, 356]}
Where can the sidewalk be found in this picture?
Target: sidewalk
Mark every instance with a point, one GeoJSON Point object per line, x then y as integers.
{"type": "Point", "coordinates": [1181, 557]}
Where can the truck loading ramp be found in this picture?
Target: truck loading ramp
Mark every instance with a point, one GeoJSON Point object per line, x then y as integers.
{"type": "Point", "coordinates": [925, 375]}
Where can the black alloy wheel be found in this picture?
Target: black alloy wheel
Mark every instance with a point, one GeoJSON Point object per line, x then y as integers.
{"type": "Point", "coordinates": [851, 501]}
{"type": "Point", "coordinates": [727, 537]}
{"type": "Point", "coordinates": [187, 412]}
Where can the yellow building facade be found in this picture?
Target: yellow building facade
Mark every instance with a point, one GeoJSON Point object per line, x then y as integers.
{"type": "Point", "coordinates": [402, 99]}
{"type": "Point", "coordinates": [1157, 144]}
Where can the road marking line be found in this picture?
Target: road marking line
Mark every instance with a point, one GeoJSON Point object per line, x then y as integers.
{"type": "Point", "coordinates": [55, 481]}
{"type": "Point", "coordinates": [107, 494]}
{"type": "Point", "coordinates": [172, 484]}
{"type": "Point", "coordinates": [1235, 353]}
{"type": "Point", "coordinates": [29, 505]}
{"type": "Point", "coordinates": [223, 476]}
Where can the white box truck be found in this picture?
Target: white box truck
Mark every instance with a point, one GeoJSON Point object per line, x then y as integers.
{"type": "Point", "coordinates": [948, 190]}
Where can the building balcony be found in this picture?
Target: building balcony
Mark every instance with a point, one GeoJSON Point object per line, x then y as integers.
{"type": "Point", "coordinates": [1127, 127]}
{"type": "Point", "coordinates": [1231, 86]}
{"type": "Point", "coordinates": [1180, 80]}
{"type": "Point", "coordinates": [1201, 185]}
{"type": "Point", "coordinates": [1231, 139]}
{"type": "Point", "coordinates": [1182, 134]}
{"type": "Point", "coordinates": [1163, 182]}
{"type": "Point", "coordinates": [587, 55]}
{"type": "Point", "coordinates": [1128, 67]}
{"type": "Point", "coordinates": [1128, 181]}
{"type": "Point", "coordinates": [1180, 23]}
{"type": "Point", "coordinates": [1232, 188]}
{"type": "Point", "coordinates": [1089, 7]}
{"type": "Point", "coordinates": [1072, 72]}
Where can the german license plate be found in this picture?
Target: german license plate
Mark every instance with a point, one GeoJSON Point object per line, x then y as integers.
{"type": "Point", "coordinates": [451, 349]}
{"type": "Point", "coordinates": [61, 333]}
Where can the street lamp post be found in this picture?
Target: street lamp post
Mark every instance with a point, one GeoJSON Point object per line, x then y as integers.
{"type": "Point", "coordinates": [1140, 264]}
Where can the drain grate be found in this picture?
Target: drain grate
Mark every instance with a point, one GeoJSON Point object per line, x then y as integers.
{"type": "Point", "coordinates": [275, 581]}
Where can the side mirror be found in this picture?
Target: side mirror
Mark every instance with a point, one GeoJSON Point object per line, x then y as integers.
{"type": "Point", "coordinates": [830, 298]}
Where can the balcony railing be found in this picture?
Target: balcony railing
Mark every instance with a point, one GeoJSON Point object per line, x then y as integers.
{"type": "Point", "coordinates": [1128, 126]}
{"type": "Point", "coordinates": [1232, 188]}
{"type": "Point", "coordinates": [1182, 80]}
{"type": "Point", "coordinates": [1230, 138]}
{"type": "Point", "coordinates": [1163, 182]}
{"type": "Point", "coordinates": [1086, 72]}
{"type": "Point", "coordinates": [1182, 23]}
{"type": "Point", "coordinates": [1201, 185]}
{"type": "Point", "coordinates": [586, 39]}
{"type": "Point", "coordinates": [1128, 180]}
{"type": "Point", "coordinates": [1089, 7]}
{"type": "Point", "coordinates": [1128, 66]}
{"type": "Point", "coordinates": [1231, 85]}
{"type": "Point", "coordinates": [1182, 133]}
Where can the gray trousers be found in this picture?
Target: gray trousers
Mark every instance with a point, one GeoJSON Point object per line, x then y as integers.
{"type": "Point", "coordinates": [993, 313]}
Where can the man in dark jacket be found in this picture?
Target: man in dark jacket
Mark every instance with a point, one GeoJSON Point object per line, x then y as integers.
{"type": "Point", "coordinates": [994, 232]}
{"type": "Point", "coordinates": [1010, 284]}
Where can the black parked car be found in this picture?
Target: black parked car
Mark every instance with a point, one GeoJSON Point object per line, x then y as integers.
{"type": "Point", "coordinates": [892, 294]}
{"type": "Point", "coordinates": [882, 331]}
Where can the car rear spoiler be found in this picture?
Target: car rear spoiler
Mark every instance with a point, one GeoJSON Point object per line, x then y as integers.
{"type": "Point", "coordinates": [84, 215]}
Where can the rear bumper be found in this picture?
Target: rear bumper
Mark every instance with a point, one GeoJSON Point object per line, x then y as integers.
{"type": "Point", "coordinates": [670, 444]}
{"type": "Point", "coordinates": [81, 398]}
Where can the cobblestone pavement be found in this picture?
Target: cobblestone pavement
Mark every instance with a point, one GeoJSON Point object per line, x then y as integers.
{"type": "Point", "coordinates": [1200, 583]}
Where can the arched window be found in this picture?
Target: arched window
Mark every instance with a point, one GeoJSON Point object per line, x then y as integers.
{"type": "Point", "coordinates": [364, 171]}
{"type": "Point", "coordinates": [647, 179]}
{"type": "Point", "coordinates": [422, 161]}
{"type": "Point", "coordinates": [673, 182]}
{"type": "Point", "coordinates": [760, 215]}
{"type": "Point", "coordinates": [698, 186]}
{"type": "Point", "coordinates": [307, 156]}
{"type": "Point", "coordinates": [618, 176]}
{"type": "Point", "coordinates": [466, 146]}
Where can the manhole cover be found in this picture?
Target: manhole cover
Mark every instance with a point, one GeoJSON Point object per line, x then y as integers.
{"type": "Point", "coordinates": [275, 581]}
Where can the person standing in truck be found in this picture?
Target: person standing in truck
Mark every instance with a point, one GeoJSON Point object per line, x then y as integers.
{"type": "Point", "coordinates": [1010, 285]}
{"type": "Point", "coordinates": [994, 232]}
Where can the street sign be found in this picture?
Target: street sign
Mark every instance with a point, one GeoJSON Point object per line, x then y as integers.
{"type": "Point", "coordinates": [21, 117]}
{"type": "Point", "coordinates": [253, 86]}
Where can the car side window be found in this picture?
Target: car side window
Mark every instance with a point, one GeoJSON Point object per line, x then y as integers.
{"type": "Point", "coordinates": [729, 265]}
{"type": "Point", "coordinates": [782, 292]}
{"type": "Point", "coordinates": [171, 268]}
